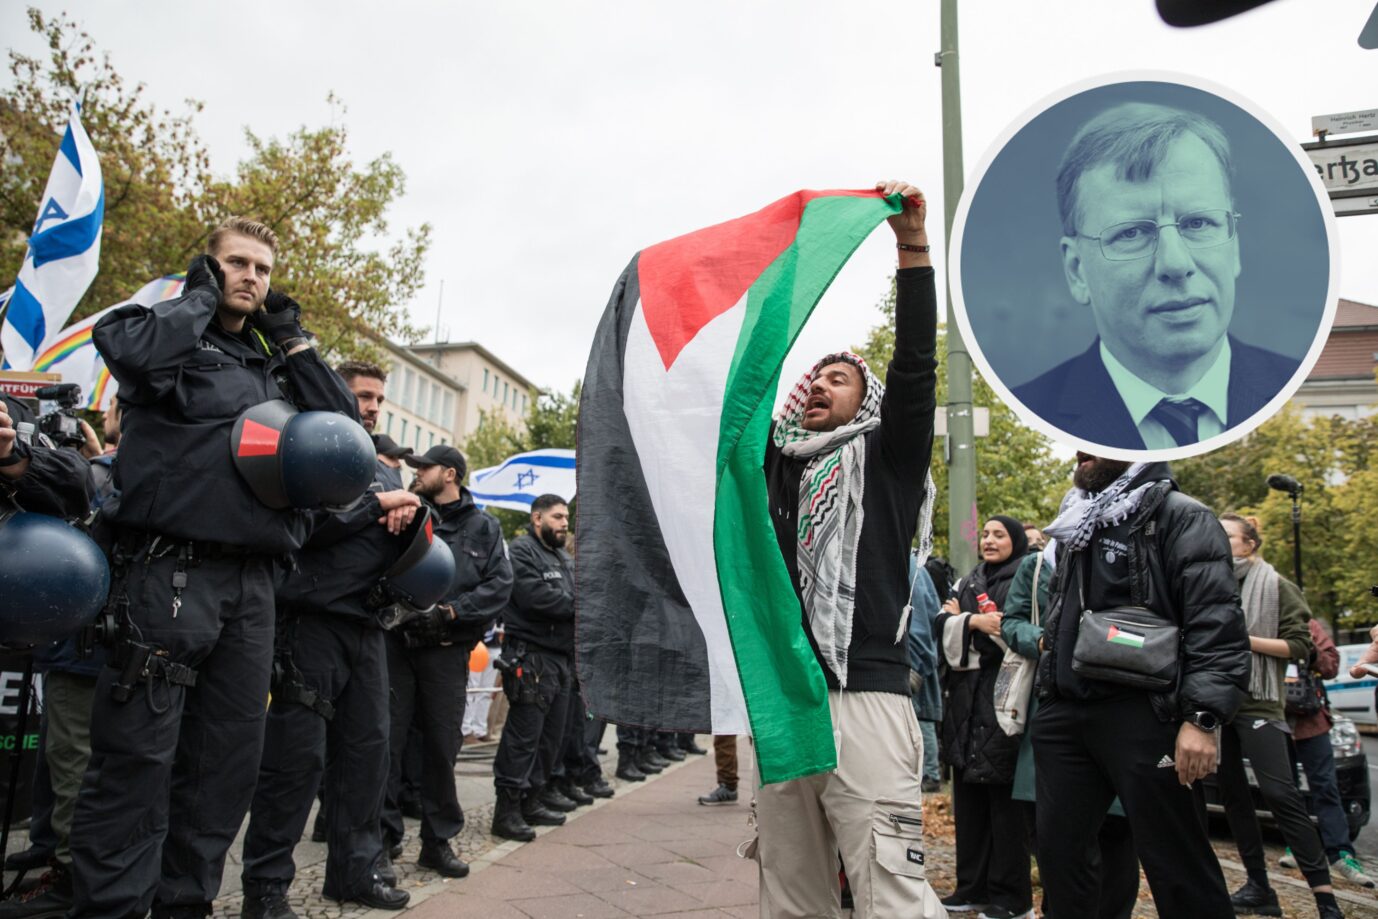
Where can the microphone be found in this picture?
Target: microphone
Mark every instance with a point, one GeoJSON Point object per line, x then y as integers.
{"type": "Point", "coordinates": [1279, 482]}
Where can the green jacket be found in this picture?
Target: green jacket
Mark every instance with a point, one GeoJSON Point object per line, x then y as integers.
{"type": "Point", "coordinates": [1293, 616]}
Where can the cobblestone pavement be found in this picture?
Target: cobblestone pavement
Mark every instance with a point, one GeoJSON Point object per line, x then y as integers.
{"type": "Point", "coordinates": [648, 851]}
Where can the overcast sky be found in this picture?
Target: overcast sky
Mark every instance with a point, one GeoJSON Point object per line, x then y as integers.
{"type": "Point", "coordinates": [547, 142]}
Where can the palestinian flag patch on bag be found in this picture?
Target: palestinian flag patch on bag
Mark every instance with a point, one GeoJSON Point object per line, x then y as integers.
{"type": "Point", "coordinates": [1119, 636]}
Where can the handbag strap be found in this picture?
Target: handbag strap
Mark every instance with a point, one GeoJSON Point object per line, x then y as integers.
{"type": "Point", "coordinates": [1038, 572]}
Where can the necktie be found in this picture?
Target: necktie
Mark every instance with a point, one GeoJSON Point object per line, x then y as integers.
{"type": "Point", "coordinates": [1179, 416]}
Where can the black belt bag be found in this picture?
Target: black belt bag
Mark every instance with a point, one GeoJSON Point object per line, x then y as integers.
{"type": "Point", "coordinates": [1129, 645]}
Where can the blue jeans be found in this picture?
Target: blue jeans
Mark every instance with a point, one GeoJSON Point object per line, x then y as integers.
{"type": "Point", "coordinates": [930, 751]}
{"type": "Point", "coordinates": [1318, 759]}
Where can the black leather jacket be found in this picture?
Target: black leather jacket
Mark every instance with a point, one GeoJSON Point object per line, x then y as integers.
{"type": "Point", "coordinates": [1171, 556]}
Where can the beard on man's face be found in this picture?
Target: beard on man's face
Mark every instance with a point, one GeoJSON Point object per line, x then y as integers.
{"type": "Point", "coordinates": [427, 490]}
{"type": "Point", "coordinates": [553, 538]}
{"type": "Point", "coordinates": [1096, 473]}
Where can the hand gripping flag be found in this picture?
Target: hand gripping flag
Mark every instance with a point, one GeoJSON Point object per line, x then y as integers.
{"type": "Point", "coordinates": [63, 253]}
{"type": "Point", "coordinates": [519, 480]}
{"type": "Point", "coordinates": [686, 617]}
{"type": "Point", "coordinates": [73, 354]}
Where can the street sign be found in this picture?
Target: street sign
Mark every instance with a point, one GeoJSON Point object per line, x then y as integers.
{"type": "Point", "coordinates": [1345, 122]}
{"type": "Point", "coordinates": [980, 421]}
{"type": "Point", "coordinates": [1346, 167]}
{"type": "Point", "coordinates": [1349, 207]}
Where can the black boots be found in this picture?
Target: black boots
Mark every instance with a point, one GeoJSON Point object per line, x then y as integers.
{"type": "Point", "coordinates": [570, 789]}
{"type": "Point", "coordinates": [438, 856]}
{"type": "Point", "coordinates": [553, 799]}
{"type": "Point", "coordinates": [537, 814]}
{"type": "Point", "coordinates": [268, 906]}
{"type": "Point", "coordinates": [1253, 899]}
{"type": "Point", "coordinates": [508, 822]}
{"type": "Point", "coordinates": [627, 769]}
{"type": "Point", "coordinates": [599, 787]}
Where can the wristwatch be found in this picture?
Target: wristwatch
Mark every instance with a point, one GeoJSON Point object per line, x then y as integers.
{"type": "Point", "coordinates": [1204, 720]}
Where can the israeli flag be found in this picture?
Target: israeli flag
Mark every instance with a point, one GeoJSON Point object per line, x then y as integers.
{"type": "Point", "coordinates": [519, 480]}
{"type": "Point", "coordinates": [64, 250]}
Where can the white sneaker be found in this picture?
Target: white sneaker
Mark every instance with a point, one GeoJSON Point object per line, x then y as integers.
{"type": "Point", "coordinates": [1288, 860]}
{"type": "Point", "coordinates": [1350, 868]}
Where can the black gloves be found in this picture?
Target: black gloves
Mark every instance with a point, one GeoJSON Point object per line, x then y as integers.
{"type": "Point", "coordinates": [280, 319]}
{"type": "Point", "coordinates": [429, 629]}
{"type": "Point", "coordinates": [204, 274]}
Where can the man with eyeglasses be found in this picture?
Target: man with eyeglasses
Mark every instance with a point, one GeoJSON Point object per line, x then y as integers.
{"type": "Point", "coordinates": [1151, 244]}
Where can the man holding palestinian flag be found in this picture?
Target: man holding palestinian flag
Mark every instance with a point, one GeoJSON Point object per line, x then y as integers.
{"type": "Point", "coordinates": [768, 594]}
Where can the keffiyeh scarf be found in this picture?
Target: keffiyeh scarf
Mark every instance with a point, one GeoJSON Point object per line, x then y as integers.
{"type": "Point", "coordinates": [830, 509]}
{"type": "Point", "coordinates": [1082, 513]}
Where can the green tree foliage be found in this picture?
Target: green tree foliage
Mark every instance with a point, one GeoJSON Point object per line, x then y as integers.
{"type": "Point", "coordinates": [1016, 472]}
{"type": "Point", "coordinates": [1330, 457]}
{"type": "Point", "coordinates": [162, 199]}
{"type": "Point", "coordinates": [550, 422]}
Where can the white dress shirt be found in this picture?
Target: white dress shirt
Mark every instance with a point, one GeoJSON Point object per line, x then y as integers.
{"type": "Point", "coordinates": [1140, 397]}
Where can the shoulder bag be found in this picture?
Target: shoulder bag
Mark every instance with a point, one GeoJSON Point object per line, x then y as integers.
{"type": "Point", "coordinates": [1132, 646]}
{"type": "Point", "coordinates": [1014, 682]}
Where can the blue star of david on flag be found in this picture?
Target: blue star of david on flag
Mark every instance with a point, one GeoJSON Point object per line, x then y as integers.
{"type": "Point", "coordinates": [512, 483]}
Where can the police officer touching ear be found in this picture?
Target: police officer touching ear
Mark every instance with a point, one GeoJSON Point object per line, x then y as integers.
{"type": "Point", "coordinates": [177, 725]}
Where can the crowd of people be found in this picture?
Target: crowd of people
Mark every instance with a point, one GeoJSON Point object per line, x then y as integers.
{"type": "Point", "coordinates": [1077, 685]}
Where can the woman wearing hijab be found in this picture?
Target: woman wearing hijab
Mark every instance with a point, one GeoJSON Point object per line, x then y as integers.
{"type": "Point", "coordinates": [992, 846]}
{"type": "Point", "coordinates": [1276, 615]}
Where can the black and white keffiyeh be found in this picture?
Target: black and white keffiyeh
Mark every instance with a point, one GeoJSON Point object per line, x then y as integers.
{"type": "Point", "coordinates": [830, 508]}
{"type": "Point", "coordinates": [1082, 513]}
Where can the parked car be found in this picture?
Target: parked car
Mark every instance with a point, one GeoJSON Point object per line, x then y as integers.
{"type": "Point", "coordinates": [1351, 772]}
{"type": "Point", "coordinates": [1349, 696]}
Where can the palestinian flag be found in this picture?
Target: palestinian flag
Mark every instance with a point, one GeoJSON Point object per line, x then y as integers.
{"type": "Point", "coordinates": [686, 616]}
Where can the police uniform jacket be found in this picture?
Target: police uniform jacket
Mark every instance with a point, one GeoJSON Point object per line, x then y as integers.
{"type": "Point", "coordinates": [58, 480]}
{"type": "Point", "coordinates": [542, 609]}
{"type": "Point", "coordinates": [183, 382]}
{"type": "Point", "coordinates": [343, 559]}
{"type": "Point", "coordinates": [483, 576]}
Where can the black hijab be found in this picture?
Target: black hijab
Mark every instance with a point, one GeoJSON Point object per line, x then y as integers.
{"type": "Point", "coordinates": [993, 579]}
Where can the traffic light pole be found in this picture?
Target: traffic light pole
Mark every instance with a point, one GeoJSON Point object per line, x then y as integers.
{"type": "Point", "coordinates": [962, 524]}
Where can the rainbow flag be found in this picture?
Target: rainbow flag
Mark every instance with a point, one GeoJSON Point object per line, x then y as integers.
{"type": "Point", "coordinates": [74, 356]}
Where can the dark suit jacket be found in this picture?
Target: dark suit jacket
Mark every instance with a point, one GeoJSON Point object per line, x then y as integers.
{"type": "Point", "coordinates": [1078, 396]}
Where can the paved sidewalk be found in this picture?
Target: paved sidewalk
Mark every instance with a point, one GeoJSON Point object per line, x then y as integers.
{"type": "Point", "coordinates": [651, 850]}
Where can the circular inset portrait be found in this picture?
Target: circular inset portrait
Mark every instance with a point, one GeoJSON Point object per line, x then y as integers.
{"type": "Point", "coordinates": [1144, 266]}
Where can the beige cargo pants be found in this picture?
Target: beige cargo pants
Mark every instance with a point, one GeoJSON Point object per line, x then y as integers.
{"type": "Point", "coordinates": [869, 810]}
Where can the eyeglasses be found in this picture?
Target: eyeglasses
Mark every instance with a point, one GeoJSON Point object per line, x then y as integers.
{"type": "Point", "coordinates": [1135, 239]}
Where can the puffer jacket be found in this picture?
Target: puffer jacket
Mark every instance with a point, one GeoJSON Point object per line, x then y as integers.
{"type": "Point", "coordinates": [973, 740]}
{"type": "Point", "coordinates": [1171, 556]}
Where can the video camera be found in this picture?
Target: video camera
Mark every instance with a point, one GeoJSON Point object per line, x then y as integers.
{"type": "Point", "coordinates": [61, 424]}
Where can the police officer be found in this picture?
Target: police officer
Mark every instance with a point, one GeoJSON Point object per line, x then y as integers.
{"type": "Point", "coordinates": [537, 648]}
{"type": "Point", "coordinates": [56, 481]}
{"type": "Point", "coordinates": [428, 665]}
{"type": "Point", "coordinates": [390, 455]}
{"type": "Point", "coordinates": [177, 724]}
{"type": "Point", "coordinates": [329, 712]}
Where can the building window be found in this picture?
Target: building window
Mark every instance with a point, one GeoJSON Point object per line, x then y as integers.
{"type": "Point", "coordinates": [435, 402]}
{"type": "Point", "coordinates": [408, 390]}
{"type": "Point", "coordinates": [387, 429]}
{"type": "Point", "coordinates": [443, 441]}
{"type": "Point", "coordinates": [430, 439]}
{"type": "Point", "coordinates": [447, 411]}
{"type": "Point", "coordinates": [485, 379]}
{"type": "Point", "coordinates": [416, 438]}
{"type": "Point", "coordinates": [523, 403]}
{"type": "Point", "coordinates": [402, 438]}
{"type": "Point", "coordinates": [504, 390]}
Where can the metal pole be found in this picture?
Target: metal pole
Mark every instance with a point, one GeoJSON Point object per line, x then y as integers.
{"type": "Point", "coordinates": [1296, 539]}
{"type": "Point", "coordinates": [439, 302]}
{"type": "Point", "coordinates": [962, 525]}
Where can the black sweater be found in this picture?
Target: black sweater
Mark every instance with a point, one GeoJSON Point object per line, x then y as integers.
{"type": "Point", "coordinates": [897, 457]}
